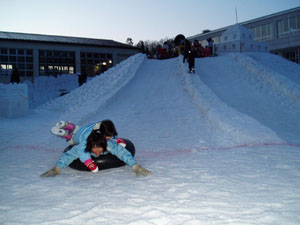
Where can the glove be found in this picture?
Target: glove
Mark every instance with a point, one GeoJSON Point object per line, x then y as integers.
{"type": "Point", "coordinates": [52, 172]}
{"type": "Point", "coordinates": [140, 171]}
{"type": "Point", "coordinates": [91, 165]}
{"type": "Point", "coordinates": [121, 142]}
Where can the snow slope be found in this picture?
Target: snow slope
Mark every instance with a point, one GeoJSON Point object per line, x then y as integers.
{"type": "Point", "coordinates": [223, 146]}
{"type": "Point", "coordinates": [266, 95]}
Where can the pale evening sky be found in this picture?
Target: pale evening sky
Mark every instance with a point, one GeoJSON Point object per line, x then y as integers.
{"type": "Point", "coordinates": [137, 19]}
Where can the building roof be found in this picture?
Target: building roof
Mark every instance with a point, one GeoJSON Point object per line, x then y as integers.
{"type": "Point", "coordinates": [61, 39]}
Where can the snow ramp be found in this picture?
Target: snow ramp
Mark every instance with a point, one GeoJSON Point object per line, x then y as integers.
{"type": "Point", "coordinates": [86, 101]}
{"type": "Point", "coordinates": [252, 86]}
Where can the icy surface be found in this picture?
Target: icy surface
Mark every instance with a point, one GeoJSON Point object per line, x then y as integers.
{"type": "Point", "coordinates": [223, 146]}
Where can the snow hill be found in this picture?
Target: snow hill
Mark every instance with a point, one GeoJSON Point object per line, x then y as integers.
{"type": "Point", "coordinates": [223, 145]}
{"type": "Point", "coordinates": [227, 90]}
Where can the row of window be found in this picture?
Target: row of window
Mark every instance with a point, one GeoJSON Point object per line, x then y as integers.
{"type": "Point", "coordinates": [20, 59]}
{"type": "Point", "coordinates": [12, 51]}
{"type": "Point", "coordinates": [52, 62]}
{"type": "Point", "coordinates": [47, 70]}
{"type": "Point", "coordinates": [95, 63]}
{"type": "Point", "coordinates": [263, 32]}
{"type": "Point", "coordinates": [285, 28]}
{"type": "Point", "coordinates": [288, 27]}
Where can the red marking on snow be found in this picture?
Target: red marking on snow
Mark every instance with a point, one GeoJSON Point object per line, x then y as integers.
{"type": "Point", "coordinates": [163, 153]}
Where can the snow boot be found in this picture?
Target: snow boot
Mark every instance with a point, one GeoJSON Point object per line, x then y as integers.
{"type": "Point", "coordinates": [61, 132]}
{"type": "Point", "coordinates": [68, 126]}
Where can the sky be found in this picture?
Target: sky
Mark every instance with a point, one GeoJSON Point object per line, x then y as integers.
{"type": "Point", "coordinates": [136, 19]}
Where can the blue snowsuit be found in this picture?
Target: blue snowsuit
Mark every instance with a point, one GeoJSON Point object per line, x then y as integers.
{"type": "Point", "coordinates": [78, 150]}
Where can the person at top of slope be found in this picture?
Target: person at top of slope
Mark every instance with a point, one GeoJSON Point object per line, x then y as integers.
{"type": "Point", "coordinates": [91, 140]}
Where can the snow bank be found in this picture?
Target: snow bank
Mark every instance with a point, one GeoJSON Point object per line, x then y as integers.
{"type": "Point", "coordinates": [241, 127]}
{"type": "Point", "coordinates": [92, 96]}
{"type": "Point", "coordinates": [278, 64]}
{"type": "Point", "coordinates": [13, 100]}
{"type": "Point", "coordinates": [283, 88]}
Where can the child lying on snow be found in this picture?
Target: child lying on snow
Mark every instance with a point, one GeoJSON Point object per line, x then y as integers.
{"type": "Point", "coordinates": [90, 140]}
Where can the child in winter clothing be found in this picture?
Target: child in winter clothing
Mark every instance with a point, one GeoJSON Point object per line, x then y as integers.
{"type": "Point", "coordinates": [191, 59]}
{"type": "Point", "coordinates": [93, 139]}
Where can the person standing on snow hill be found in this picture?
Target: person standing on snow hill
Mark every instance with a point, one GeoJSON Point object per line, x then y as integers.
{"type": "Point", "coordinates": [191, 59]}
{"type": "Point", "coordinates": [94, 139]}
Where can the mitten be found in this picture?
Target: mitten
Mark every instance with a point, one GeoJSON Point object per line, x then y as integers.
{"type": "Point", "coordinates": [52, 172]}
{"type": "Point", "coordinates": [91, 165]}
{"type": "Point", "coordinates": [140, 171]}
{"type": "Point", "coordinates": [121, 142]}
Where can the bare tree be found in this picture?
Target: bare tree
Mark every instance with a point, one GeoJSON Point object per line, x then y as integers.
{"type": "Point", "coordinates": [129, 41]}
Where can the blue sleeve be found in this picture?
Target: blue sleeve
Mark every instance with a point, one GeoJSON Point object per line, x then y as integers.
{"type": "Point", "coordinates": [67, 158]}
{"type": "Point", "coordinates": [121, 152]}
{"type": "Point", "coordinates": [77, 151]}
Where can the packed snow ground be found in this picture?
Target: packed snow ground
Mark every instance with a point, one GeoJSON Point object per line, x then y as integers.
{"type": "Point", "coordinates": [223, 146]}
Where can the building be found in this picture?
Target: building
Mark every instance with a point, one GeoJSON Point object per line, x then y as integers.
{"type": "Point", "coordinates": [42, 55]}
{"type": "Point", "coordinates": [281, 31]}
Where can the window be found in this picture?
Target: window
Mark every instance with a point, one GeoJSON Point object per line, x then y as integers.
{"type": "Point", "coordinates": [12, 51]}
{"type": "Point", "coordinates": [263, 32]}
{"type": "Point", "coordinates": [21, 59]}
{"type": "Point", "coordinates": [295, 25]}
{"type": "Point", "coordinates": [94, 63]}
{"type": "Point", "coordinates": [14, 58]}
{"type": "Point", "coordinates": [3, 58]}
{"type": "Point", "coordinates": [267, 32]}
{"type": "Point", "coordinates": [289, 26]}
{"type": "Point", "coordinates": [283, 28]}
{"type": "Point", "coordinates": [20, 51]}
{"type": "Point", "coordinates": [56, 62]}
{"type": "Point", "coordinates": [3, 51]}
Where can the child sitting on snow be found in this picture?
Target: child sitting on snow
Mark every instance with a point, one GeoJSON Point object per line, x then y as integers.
{"type": "Point", "coordinates": [90, 140]}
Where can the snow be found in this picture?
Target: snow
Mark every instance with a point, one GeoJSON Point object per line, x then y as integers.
{"type": "Point", "coordinates": [13, 100]}
{"type": "Point", "coordinates": [223, 146]}
{"type": "Point", "coordinates": [238, 38]}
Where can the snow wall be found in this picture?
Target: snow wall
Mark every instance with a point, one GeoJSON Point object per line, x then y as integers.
{"type": "Point", "coordinates": [13, 100]}
{"type": "Point", "coordinates": [46, 88]}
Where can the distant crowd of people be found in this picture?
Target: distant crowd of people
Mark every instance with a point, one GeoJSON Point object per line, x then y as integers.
{"type": "Point", "coordinates": [189, 50]}
{"type": "Point", "coordinates": [170, 50]}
